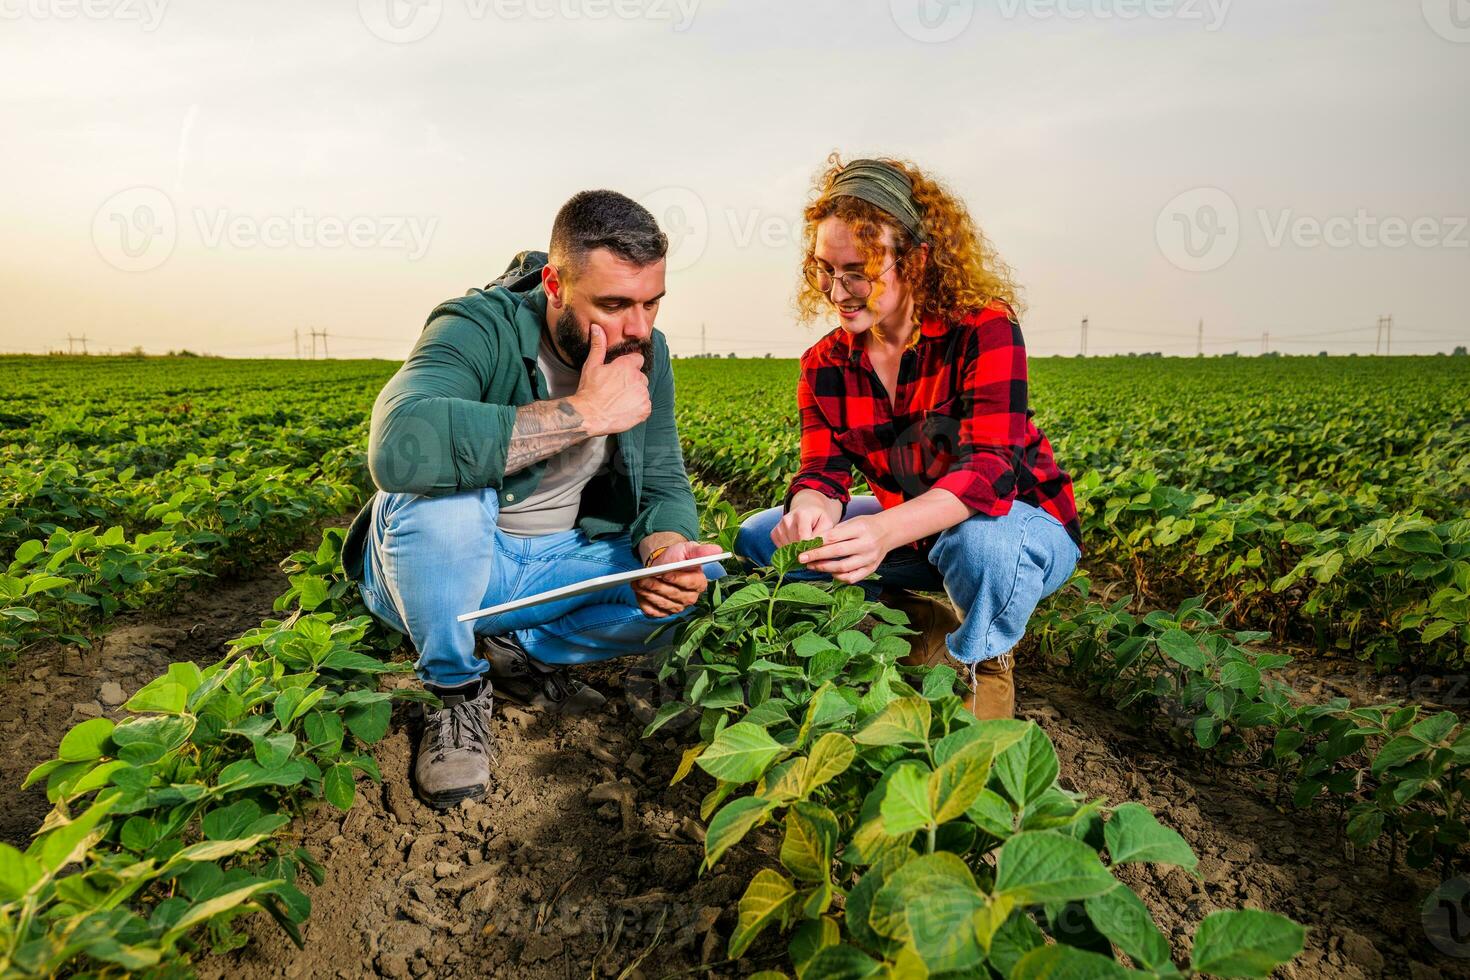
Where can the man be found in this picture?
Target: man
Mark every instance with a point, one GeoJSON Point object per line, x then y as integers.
{"type": "Point", "coordinates": [528, 443]}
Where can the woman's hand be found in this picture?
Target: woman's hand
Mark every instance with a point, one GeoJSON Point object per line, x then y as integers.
{"type": "Point", "coordinates": [851, 551]}
{"type": "Point", "coordinates": [810, 516]}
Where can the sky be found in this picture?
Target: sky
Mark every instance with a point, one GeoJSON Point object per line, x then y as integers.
{"type": "Point", "coordinates": [229, 178]}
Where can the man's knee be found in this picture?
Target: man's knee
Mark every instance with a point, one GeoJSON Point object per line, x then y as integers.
{"type": "Point", "coordinates": [447, 531]}
{"type": "Point", "coordinates": [753, 543]}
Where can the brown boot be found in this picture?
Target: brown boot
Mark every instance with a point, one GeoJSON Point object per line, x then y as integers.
{"type": "Point", "coordinates": [994, 691]}
{"type": "Point", "coordinates": [993, 694]}
{"type": "Point", "coordinates": [933, 618]}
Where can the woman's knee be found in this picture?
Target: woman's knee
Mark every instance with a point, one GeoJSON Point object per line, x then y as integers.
{"type": "Point", "coordinates": [753, 542]}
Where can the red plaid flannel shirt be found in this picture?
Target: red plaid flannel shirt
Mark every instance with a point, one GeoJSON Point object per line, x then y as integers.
{"type": "Point", "coordinates": [961, 421]}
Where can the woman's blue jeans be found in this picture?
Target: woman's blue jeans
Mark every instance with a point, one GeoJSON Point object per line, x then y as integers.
{"type": "Point", "coordinates": [995, 570]}
{"type": "Point", "coordinates": [430, 559]}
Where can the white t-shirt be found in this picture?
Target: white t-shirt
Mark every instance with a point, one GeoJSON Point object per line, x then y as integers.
{"type": "Point", "coordinates": [554, 505]}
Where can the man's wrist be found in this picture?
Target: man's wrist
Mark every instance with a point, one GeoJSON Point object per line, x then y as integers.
{"type": "Point", "coordinates": [656, 543]}
{"type": "Point", "coordinates": [591, 424]}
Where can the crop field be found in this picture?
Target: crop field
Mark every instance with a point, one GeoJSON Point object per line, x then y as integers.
{"type": "Point", "coordinates": [1240, 748]}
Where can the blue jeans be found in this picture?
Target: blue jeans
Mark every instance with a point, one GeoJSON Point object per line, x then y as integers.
{"type": "Point", "coordinates": [430, 559]}
{"type": "Point", "coordinates": [995, 570]}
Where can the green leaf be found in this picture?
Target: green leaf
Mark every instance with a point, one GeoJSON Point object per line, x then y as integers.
{"type": "Point", "coordinates": [1182, 648]}
{"type": "Point", "coordinates": [904, 721]}
{"type": "Point", "coordinates": [754, 594]}
{"type": "Point", "coordinates": [958, 782]}
{"type": "Point", "coordinates": [905, 805]}
{"type": "Point", "coordinates": [338, 786]}
{"type": "Point", "coordinates": [930, 902]}
{"type": "Point", "coordinates": [1133, 834]}
{"type": "Point", "coordinates": [18, 873]}
{"type": "Point", "coordinates": [1029, 767]}
{"type": "Point", "coordinates": [740, 753]}
{"type": "Point", "coordinates": [811, 837]}
{"type": "Point", "coordinates": [56, 848]}
{"type": "Point", "coordinates": [1045, 866]}
{"type": "Point", "coordinates": [229, 822]}
{"type": "Point", "coordinates": [730, 825]}
{"type": "Point", "coordinates": [162, 696]}
{"type": "Point", "coordinates": [829, 758]}
{"type": "Point", "coordinates": [768, 896]}
{"type": "Point", "coordinates": [272, 752]}
{"type": "Point", "coordinates": [1245, 943]}
{"type": "Point", "coordinates": [803, 593]}
{"type": "Point", "coordinates": [368, 722]}
{"type": "Point", "coordinates": [841, 963]}
{"type": "Point", "coordinates": [1067, 963]}
{"type": "Point", "coordinates": [204, 911]}
{"type": "Point", "coordinates": [86, 741]}
{"type": "Point", "coordinates": [1121, 915]}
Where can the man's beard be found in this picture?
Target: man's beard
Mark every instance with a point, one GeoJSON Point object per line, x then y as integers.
{"type": "Point", "coordinates": [574, 343]}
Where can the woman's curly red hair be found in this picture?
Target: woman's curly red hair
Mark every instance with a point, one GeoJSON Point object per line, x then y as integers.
{"type": "Point", "coordinates": [964, 273]}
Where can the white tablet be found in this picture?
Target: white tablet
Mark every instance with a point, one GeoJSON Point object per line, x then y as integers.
{"type": "Point", "coordinates": [594, 585]}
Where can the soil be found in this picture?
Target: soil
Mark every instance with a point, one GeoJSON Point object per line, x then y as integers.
{"type": "Point", "coordinates": [49, 689]}
{"type": "Point", "coordinates": [583, 861]}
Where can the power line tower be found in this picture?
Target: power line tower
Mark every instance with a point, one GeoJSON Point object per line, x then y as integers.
{"type": "Point", "coordinates": [703, 340]}
{"type": "Point", "coordinates": [296, 335]}
{"type": "Point", "coordinates": [1199, 344]}
{"type": "Point", "coordinates": [314, 335]}
{"type": "Point", "coordinates": [1265, 341]}
{"type": "Point", "coordinates": [1084, 336]}
{"type": "Point", "coordinates": [71, 343]}
{"type": "Point", "coordinates": [1383, 339]}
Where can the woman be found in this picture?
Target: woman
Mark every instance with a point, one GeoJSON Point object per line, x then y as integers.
{"type": "Point", "coordinates": [922, 388]}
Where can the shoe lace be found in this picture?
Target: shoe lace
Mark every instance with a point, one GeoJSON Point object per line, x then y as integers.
{"type": "Point", "coordinates": [460, 727]}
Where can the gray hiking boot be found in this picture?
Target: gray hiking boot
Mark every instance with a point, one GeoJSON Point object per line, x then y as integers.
{"type": "Point", "coordinates": [454, 750]}
{"type": "Point", "coordinates": [522, 678]}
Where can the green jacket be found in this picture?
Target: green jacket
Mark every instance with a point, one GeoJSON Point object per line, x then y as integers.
{"type": "Point", "coordinates": [442, 424]}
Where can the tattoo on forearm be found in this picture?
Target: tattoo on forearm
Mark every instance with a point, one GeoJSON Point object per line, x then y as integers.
{"type": "Point", "coordinates": [543, 429]}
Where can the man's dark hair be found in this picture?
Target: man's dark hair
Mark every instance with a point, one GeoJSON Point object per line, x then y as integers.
{"type": "Point", "coordinates": [605, 219]}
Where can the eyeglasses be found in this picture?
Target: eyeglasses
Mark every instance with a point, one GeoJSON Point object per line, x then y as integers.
{"type": "Point", "coordinates": [855, 284]}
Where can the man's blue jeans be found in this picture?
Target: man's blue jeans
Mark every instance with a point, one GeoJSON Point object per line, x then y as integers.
{"type": "Point", "coordinates": [430, 559]}
{"type": "Point", "coordinates": [995, 570]}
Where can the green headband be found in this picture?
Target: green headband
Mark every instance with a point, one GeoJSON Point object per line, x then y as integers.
{"type": "Point", "coordinates": [885, 187]}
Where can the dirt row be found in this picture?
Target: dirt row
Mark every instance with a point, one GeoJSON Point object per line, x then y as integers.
{"type": "Point", "coordinates": [582, 861]}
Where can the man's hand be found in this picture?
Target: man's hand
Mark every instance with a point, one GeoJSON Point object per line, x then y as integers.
{"type": "Point", "coordinates": [611, 398]}
{"type": "Point", "coordinates": [676, 591]}
{"type": "Point", "coordinates": [851, 551]}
